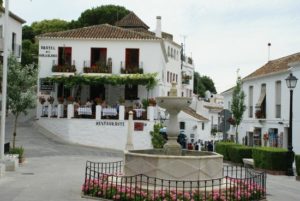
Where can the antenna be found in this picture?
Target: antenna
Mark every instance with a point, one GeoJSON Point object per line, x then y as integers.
{"type": "Point", "coordinates": [269, 50]}
{"type": "Point", "coordinates": [184, 37]}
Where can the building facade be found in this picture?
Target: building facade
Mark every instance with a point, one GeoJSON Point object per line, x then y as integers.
{"type": "Point", "coordinates": [266, 119]}
{"type": "Point", "coordinates": [118, 67]}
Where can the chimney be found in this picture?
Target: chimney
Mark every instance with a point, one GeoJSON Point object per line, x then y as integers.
{"type": "Point", "coordinates": [158, 27]}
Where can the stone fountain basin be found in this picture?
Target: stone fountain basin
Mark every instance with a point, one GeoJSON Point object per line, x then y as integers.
{"type": "Point", "coordinates": [191, 165]}
{"type": "Point", "coordinates": [176, 103]}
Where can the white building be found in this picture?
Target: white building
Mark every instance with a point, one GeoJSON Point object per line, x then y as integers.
{"type": "Point", "coordinates": [14, 33]}
{"type": "Point", "coordinates": [111, 63]}
{"type": "Point", "coordinates": [266, 119]}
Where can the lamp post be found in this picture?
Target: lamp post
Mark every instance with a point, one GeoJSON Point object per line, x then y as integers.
{"type": "Point", "coordinates": [291, 82]}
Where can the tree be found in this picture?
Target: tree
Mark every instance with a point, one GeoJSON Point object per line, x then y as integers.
{"type": "Point", "coordinates": [237, 106]}
{"type": "Point", "coordinates": [100, 15]}
{"type": "Point", "coordinates": [28, 33]}
{"type": "Point", "coordinates": [202, 84]}
{"type": "Point", "coordinates": [46, 26]}
{"type": "Point", "coordinates": [29, 52]}
{"type": "Point", "coordinates": [21, 90]}
{"type": "Point", "coordinates": [157, 139]}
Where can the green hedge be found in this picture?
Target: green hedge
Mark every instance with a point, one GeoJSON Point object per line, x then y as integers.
{"type": "Point", "coordinates": [297, 160]}
{"type": "Point", "coordinates": [270, 158]}
{"type": "Point", "coordinates": [222, 148]}
{"type": "Point", "coordinates": [237, 153]}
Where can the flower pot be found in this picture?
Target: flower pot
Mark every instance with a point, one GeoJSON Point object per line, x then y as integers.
{"type": "Point", "coordinates": [21, 159]}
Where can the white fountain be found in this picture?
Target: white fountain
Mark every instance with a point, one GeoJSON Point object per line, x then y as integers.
{"type": "Point", "coordinates": [172, 162]}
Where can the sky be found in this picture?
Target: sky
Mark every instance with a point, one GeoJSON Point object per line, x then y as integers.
{"type": "Point", "coordinates": [222, 36]}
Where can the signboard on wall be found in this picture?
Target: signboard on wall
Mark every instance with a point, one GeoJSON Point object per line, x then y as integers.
{"type": "Point", "coordinates": [47, 51]}
{"type": "Point", "coordinates": [46, 85]}
{"type": "Point", "coordinates": [138, 126]}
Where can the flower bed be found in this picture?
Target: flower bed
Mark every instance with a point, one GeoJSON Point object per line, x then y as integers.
{"type": "Point", "coordinates": [237, 185]}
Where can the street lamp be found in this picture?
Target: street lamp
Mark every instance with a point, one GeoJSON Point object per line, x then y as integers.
{"type": "Point", "coordinates": [291, 82]}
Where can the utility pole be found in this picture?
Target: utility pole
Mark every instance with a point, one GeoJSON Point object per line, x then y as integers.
{"type": "Point", "coordinates": [4, 80]}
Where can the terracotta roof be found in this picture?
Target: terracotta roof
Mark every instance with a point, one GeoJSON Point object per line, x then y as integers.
{"type": "Point", "coordinates": [275, 66]}
{"type": "Point", "coordinates": [194, 114]}
{"type": "Point", "coordinates": [2, 9]}
{"type": "Point", "coordinates": [131, 21]}
{"type": "Point", "coordinates": [103, 31]}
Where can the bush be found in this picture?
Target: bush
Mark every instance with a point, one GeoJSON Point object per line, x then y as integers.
{"type": "Point", "coordinates": [237, 153]}
{"type": "Point", "coordinates": [270, 158]}
{"type": "Point", "coordinates": [297, 160]}
{"type": "Point", "coordinates": [157, 139]}
{"type": "Point", "coordinates": [222, 148]}
{"type": "Point", "coordinates": [17, 150]}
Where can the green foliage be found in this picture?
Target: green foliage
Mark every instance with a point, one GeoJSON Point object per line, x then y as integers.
{"type": "Point", "coordinates": [223, 147]}
{"type": "Point", "coordinates": [27, 33]}
{"type": "Point", "coordinates": [297, 160]}
{"type": "Point", "coordinates": [46, 26]}
{"type": "Point", "coordinates": [135, 79]}
{"type": "Point", "coordinates": [17, 150]}
{"type": "Point", "coordinates": [29, 52]}
{"type": "Point", "coordinates": [237, 153]}
{"type": "Point", "coordinates": [202, 84]}
{"type": "Point", "coordinates": [270, 158]}
{"type": "Point", "coordinates": [237, 104]}
{"type": "Point", "coordinates": [157, 139]}
{"type": "Point", "coordinates": [109, 14]}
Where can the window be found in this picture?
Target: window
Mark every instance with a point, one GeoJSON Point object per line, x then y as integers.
{"type": "Point", "coordinates": [64, 56]}
{"type": "Point", "coordinates": [176, 78]}
{"type": "Point", "coordinates": [278, 100]}
{"type": "Point", "coordinates": [203, 125]}
{"type": "Point", "coordinates": [168, 74]}
{"type": "Point", "coordinates": [131, 92]}
{"type": "Point", "coordinates": [261, 103]}
{"type": "Point", "coordinates": [98, 56]}
{"type": "Point", "coordinates": [132, 58]}
{"type": "Point", "coordinates": [250, 101]}
{"type": "Point", "coordinates": [168, 50]}
{"type": "Point", "coordinates": [229, 105]}
{"type": "Point", "coordinates": [182, 125]}
{"type": "Point", "coordinates": [1, 31]}
{"type": "Point", "coordinates": [13, 42]}
{"type": "Point", "coordinates": [173, 77]}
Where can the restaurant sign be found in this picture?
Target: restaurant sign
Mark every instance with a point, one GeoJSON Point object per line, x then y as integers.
{"type": "Point", "coordinates": [110, 123]}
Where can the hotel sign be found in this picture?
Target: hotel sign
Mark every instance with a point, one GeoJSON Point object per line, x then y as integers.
{"type": "Point", "coordinates": [110, 123]}
{"type": "Point", "coordinates": [47, 51]}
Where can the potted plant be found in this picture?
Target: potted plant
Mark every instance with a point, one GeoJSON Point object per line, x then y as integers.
{"type": "Point", "coordinates": [297, 161]}
{"type": "Point", "coordinates": [70, 99]}
{"type": "Point", "coordinates": [121, 100]}
{"type": "Point", "coordinates": [50, 99]}
{"type": "Point", "coordinates": [98, 101]}
{"type": "Point", "coordinates": [152, 102]}
{"type": "Point", "coordinates": [19, 151]}
{"type": "Point", "coordinates": [60, 100]}
{"type": "Point", "coordinates": [42, 100]}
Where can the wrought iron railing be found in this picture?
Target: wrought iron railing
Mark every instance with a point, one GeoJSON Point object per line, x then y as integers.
{"type": "Point", "coordinates": [105, 180]}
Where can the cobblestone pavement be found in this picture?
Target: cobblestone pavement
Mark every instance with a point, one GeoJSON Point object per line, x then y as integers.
{"type": "Point", "coordinates": [54, 170]}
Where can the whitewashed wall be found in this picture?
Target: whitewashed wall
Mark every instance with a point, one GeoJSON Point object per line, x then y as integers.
{"type": "Point", "coordinates": [87, 132]}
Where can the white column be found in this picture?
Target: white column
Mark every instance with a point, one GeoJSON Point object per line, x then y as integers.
{"type": "Point", "coordinates": [49, 110]}
{"type": "Point", "coordinates": [98, 112]}
{"type": "Point", "coordinates": [4, 80]}
{"type": "Point", "coordinates": [70, 111]}
{"type": "Point", "coordinates": [129, 144]}
{"type": "Point", "coordinates": [121, 112]}
{"type": "Point", "coordinates": [150, 113]}
{"type": "Point", "coordinates": [60, 110]}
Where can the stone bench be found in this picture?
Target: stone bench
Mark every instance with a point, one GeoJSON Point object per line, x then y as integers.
{"type": "Point", "coordinates": [248, 162]}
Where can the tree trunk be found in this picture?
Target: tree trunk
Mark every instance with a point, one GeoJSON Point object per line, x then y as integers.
{"type": "Point", "coordinates": [236, 135]}
{"type": "Point", "coordinates": [15, 131]}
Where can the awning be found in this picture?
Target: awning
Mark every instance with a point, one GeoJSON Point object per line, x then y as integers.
{"type": "Point", "coordinates": [261, 97]}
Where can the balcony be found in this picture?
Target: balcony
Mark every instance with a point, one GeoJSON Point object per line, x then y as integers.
{"type": "Point", "coordinates": [186, 79]}
{"type": "Point", "coordinates": [97, 69]}
{"type": "Point", "coordinates": [64, 68]}
{"type": "Point", "coordinates": [132, 70]}
{"type": "Point", "coordinates": [259, 114]}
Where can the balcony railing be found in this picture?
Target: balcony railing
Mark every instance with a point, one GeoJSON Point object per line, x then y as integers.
{"type": "Point", "coordinates": [259, 114]}
{"type": "Point", "coordinates": [186, 79]}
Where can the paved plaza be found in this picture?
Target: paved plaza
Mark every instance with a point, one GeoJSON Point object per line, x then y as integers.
{"type": "Point", "coordinates": [54, 170]}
